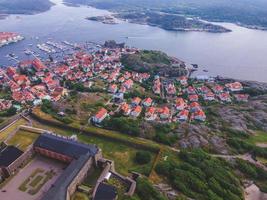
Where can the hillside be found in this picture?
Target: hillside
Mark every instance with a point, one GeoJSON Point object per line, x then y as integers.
{"type": "Point", "coordinates": [155, 62]}
{"type": "Point", "coordinates": [24, 6]}
{"type": "Point", "coordinates": [248, 13]}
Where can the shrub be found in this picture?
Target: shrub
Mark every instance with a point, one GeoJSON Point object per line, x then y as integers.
{"type": "Point", "coordinates": [142, 157]}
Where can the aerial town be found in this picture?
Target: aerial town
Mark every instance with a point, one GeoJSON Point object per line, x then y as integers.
{"type": "Point", "coordinates": [45, 90]}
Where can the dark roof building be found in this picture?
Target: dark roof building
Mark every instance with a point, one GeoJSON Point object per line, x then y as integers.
{"type": "Point", "coordinates": [64, 146]}
{"type": "Point", "coordinates": [105, 192]}
{"type": "Point", "coordinates": [79, 156]}
{"type": "Point", "coordinates": [8, 155]}
{"type": "Point", "coordinates": [59, 189]}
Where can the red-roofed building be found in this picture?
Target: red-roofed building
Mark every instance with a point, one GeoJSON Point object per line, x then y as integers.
{"type": "Point", "coordinates": [150, 114]}
{"type": "Point", "coordinates": [225, 97]}
{"type": "Point", "coordinates": [234, 87]}
{"type": "Point", "coordinates": [147, 102]}
{"type": "Point", "coordinates": [113, 88]}
{"type": "Point", "coordinates": [136, 101]}
{"type": "Point", "coordinates": [194, 106]}
{"type": "Point", "coordinates": [11, 71]}
{"type": "Point", "coordinates": [100, 116]}
{"type": "Point", "coordinates": [210, 96]}
{"type": "Point", "coordinates": [125, 108]}
{"type": "Point", "coordinates": [191, 90]}
{"type": "Point", "coordinates": [193, 97]}
{"type": "Point", "coordinates": [183, 80]}
{"type": "Point", "coordinates": [241, 97]}
{"type": "Point", "coordinates": [128, 84]}
{"type": "Point", "coordinates": [136, 111]}
{"type": "Point", "coordinates": [198, 115]}
{"type": "Point", "coordinates": [164, 112]}
{"type": "Point", "coordinates": [38, 65]}
{"type": "Point", "coordinates": [180, 104]}
{"type": "Point", "coordinates": [183, 115]}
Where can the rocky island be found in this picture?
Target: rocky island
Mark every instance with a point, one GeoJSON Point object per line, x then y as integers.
{"type": "Point", "coordinates": [171, 22]}
{"type": "Point", "coordinates": [106, 19]}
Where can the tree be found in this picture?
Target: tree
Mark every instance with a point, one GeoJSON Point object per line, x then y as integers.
{"type": "Point", "coordinates": [142, 157]}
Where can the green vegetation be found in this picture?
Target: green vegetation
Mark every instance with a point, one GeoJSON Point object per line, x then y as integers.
{"type": "Point", "coordinates": [145, 190]}
{"type": "Point", "coordinates": [24, 6]}
{"type": "Point", "coordinates": [238, 11]}
{"type": "Point", "coordinates": [36, 181]}
{"type": "Point", "coordinates": [23, 187]}
{"type": "Point", "coordinates": [142, 157]}
{"type": "Point", "coordinates": [123, 125]}
{"type": "Point", "coordinates": [154, 62]}
{"type": "Point", "coordinates": [80, 196]}
{"type": "Point", "coordinates": [253, 172]}
{"type": "Point", "coordinates": [22, 139]}
{"type": "Point", "coordinates": [5, 133]}
{"type": "Point", "coordinates": [122, 154]}
{"type": "Point", "coordinates": [47, 107]}
{"type": "Point", "coordinates": [201, 176]}
{"type": "Point", "coordinates": [9, 112]}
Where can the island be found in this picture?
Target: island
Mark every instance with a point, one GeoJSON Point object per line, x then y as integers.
{"type": "Point", "coordinates": [106, 19]}
{"type": "Point", "coordinates": [254, 17]}
{"type": "Point", "coordinates": [171, 22]}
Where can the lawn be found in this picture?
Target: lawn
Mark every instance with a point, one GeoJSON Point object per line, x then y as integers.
{"type": "Point", "coordinates": [259, 138]}
{"type": "Point", "coordinates": [22, 139]}
{"type": "Point", "coordinates": [4, 134]}
{"type": "Point", "coordinates": [79, 196]}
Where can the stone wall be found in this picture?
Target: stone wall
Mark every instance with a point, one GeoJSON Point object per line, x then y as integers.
{"type": "Point", "coordinates": [79, 178]}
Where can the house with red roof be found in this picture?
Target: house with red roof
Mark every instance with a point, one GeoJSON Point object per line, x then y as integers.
{"type": "Point", "coordinates": [11, 71]}
{"type": "Point", "coordinates": [210, 96]}
{"type": "Point", "coordinates": [136, 111]}
{"type": "Point", "coordinates": [14, 87]}
{"type": "Point", "coordinates": [5, 104]}
{"type": "Point", "coordinates": [128, 84]}
{"type": "Point", "coordinates": [147, 102]}
{"type": "Point", "coordinates": [241, 97]}
{"type": "Point", "coordinates": [225, 97]}
{"type": "Point", "coordinates": [150, 114]}
{"type": "Point", "coordinates": [193, 97]}
{"type": "Point", "coordinates": [170, 89]}
{"type": "Point", "coordinates": [183, 115]}
{"type": "Point", "coordinates": [113, 88]}
{"type": "Point", "coordinates": [180, 104]}
{"type": "Point", "coordinates": [100, 116]}
{"type": "Point", "coordinates": [125, 108]}
{"type": "Point", "coordinates": [198, 115]}
{"type": "Point", "coordinates": [164, 113]}
{"type": "Point", "coordinates": [122, 89]}
{"type": "Point", "coordinates": [183, 80]}
{"type": "Point", "coordinates": [234, 87]}
{"type": "Point", "coordinates": [194, 106]}
{"type": "Point", "coordinates": [22, 80]}
{"type": "Point", "coordinates": [191, 90]}
{"type": "Point", "coordinates": [217, 89]}
{"type": "Point", "coordinates": [38, 65]}
{"type": "Point", "coordinates": [136, 101]}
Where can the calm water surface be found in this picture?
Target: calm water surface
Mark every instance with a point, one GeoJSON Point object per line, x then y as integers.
{"type": "Point", "coordinates": [239, 54]}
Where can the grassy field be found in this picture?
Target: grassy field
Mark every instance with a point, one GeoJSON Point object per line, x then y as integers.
{"type": "Point", "coordinates": [79, 196]}
{"type": "Point", "coordinates": [22, 139]}
{"type": "Point", "coordinates": [4, 134]}
{"type": "Point", "coordinates": [259, 137]}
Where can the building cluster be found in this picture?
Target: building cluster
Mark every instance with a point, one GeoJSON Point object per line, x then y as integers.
{"type": "Point", "coordinates": [8, 37]}
{"type": "Point", "coordinates": [79, 159]}
{"type": "Point", "coordinates": [33, 81]}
